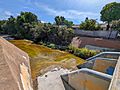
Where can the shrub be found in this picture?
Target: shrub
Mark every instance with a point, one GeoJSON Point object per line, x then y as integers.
{"type": "Point", "coordinates": [82, 52]}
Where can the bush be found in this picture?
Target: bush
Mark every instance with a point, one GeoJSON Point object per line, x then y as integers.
{"type": "Point", "coordinates": [82, 52]}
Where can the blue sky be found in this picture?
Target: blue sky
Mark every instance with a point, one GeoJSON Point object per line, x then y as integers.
{"type": "Point", "coordinates": [46, 10]}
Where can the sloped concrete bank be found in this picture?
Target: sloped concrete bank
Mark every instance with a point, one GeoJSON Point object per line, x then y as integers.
{"type": "Point", "coordinates": [15, 73]}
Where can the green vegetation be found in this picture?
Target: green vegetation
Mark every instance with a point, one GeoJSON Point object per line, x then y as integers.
{"type": "Point", "coordinates": [42, 57]}
{"type": "Point", "coordinates": [89, 24]}
{"type": "Point", "coordinates": [110, 12]}
{"type": "Point", "coordinates": [82, 52]}
{"type": "Point", "coordinates": [27, 26]}
{"type": "Point", "coordinates": [60, 20]}
{"type": "Point", "coordinates": [47, 33]}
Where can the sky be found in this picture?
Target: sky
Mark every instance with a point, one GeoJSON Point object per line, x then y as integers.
{"type": "Point", "coordinates": [46, 10]}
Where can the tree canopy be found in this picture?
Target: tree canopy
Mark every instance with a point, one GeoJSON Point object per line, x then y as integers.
{"type": "Point", "coordinates": [60, 20]}
{"type": "Point", "coordinates": [89, 24]}
{"type": "Point", "coordinates": [27, 26]}
{"type": "Point", "coordinates": [110, 12]}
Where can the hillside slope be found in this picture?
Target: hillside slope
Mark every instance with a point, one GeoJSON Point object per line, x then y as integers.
{"type": "Point", "coordinates": [43, 57]}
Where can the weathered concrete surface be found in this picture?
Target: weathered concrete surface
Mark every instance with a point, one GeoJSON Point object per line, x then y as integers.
{"type": "Point", "coordinates": [15, 73]}
{"type": "Point", "coordinates": [103, 65]}
{"type": "Point", "coordinates": [79, 80]}
{"type": "Point", "coordinates": [115, 82]}
{"type": "Point", "coordinates": [83, 41]}
{"type": "Point", "coordinates": [51, 80]}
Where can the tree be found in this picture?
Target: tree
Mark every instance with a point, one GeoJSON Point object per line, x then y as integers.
{"type": "Point", "coordinates": [9, 26]}
{"type": "Point", "coordinates": [25, 24]}
{"type": "Point", "coordinates": [47, 33]}
{"type": "Point", "coordinates": [89, 24]}
{"type": "Point", "coordinates": [69, 24]}
{"type": "Point", "coordinates": [60, 20]}
{"type": "Point", "coordinates": [2, 22]}
{"type": "Point", "coordinates": [28, 17]}
{"type": "Point", "coordinates": [110, 12]}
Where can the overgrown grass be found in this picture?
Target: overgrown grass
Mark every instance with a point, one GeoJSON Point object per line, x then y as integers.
{"type": "Point", "coordinates": [42, 57]}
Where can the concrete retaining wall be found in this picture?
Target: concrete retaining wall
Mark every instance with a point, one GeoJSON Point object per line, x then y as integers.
{"type": "Point", "coordinates": [80, 80]}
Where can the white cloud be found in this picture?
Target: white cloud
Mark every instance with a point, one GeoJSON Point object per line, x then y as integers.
{"type": "Point", "coordinates": [70, 14]}
{"type": "Point", "coordinates": [7, 13]}
{"type": "Point", "coordinates": [43, 21]}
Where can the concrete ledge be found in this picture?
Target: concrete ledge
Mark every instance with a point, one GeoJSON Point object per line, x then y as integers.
{"type": "Point", "coordinates": [115, 82]}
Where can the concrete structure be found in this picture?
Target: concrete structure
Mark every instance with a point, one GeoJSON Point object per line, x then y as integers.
{"type": "Point", "coordinates": [96, 74]}
{"type": "Point", "coordinates": [75, 27]}
{"type": "Point", "coordinates": [51, 80]}
{"type": "Point", "coordinates": [115, 82]}
{"type": "Point", "coordinates": [99, 42]}
{"type": "Point", "coordinates": [86, 79]}
{"type": "Point", "coordinates": [15, 73]}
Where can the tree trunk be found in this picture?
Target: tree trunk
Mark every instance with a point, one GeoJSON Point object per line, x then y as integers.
{"type": "Point", "coordinates": [108, 26]}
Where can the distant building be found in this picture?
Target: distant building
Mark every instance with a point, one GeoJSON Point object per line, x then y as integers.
{"type": "Point", "coordinates": [61, 26]}
{"type": "Point", "coordinates": [104, 26]}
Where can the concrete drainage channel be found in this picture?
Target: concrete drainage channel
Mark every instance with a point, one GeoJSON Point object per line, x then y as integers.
{"type": "Point", "coordinates": [87, 78]}
{"type": "Point", "coordinates": [82, 79]}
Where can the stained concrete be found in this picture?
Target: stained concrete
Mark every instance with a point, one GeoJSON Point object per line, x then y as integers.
{"type": "Point", "coordinates": [115, 82]}
{"type": "Point", "coordinates": [15, 73]}
{"type": "Point", "coordinates": [86, 80]}
{"type": "Point", "coordinates": [106, 43]}
{"type": "Point", "coordinates": [52, 80]}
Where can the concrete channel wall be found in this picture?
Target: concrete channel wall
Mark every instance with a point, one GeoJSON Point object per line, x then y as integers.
{"type": "Point", "coordinates": [102, 65]}
{"type": "Point", "coordinates": [86, 79]}
{"type": "Point", "coordinates": [15, 72]}
{"type": "Point", "coordinates": [115, 82]}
